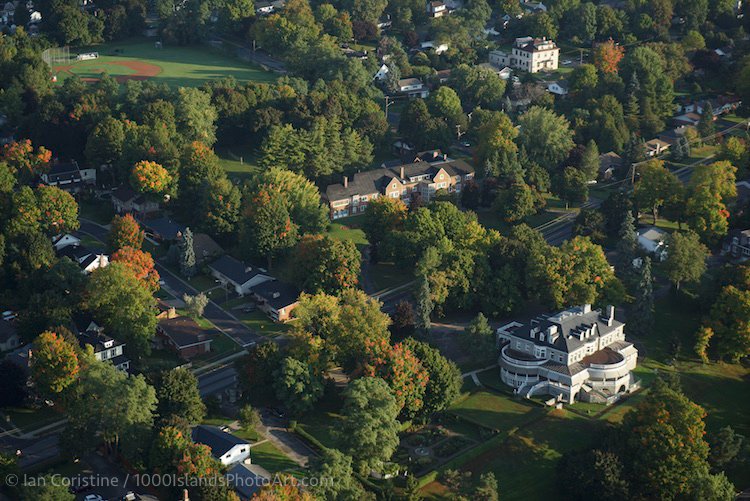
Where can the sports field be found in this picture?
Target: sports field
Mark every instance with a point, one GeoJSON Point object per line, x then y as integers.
{"type": "Point", "coordinates": [174, 65]}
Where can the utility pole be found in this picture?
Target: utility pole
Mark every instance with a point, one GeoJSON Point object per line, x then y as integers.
{"type": "Point", "coordinates": [581, 60]}
{"type": "Point", "coordinates": [388, 102]}
{"type": "Point", "coordinates": [458, 131]}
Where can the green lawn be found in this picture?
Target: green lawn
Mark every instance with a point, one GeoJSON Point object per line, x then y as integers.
{"type": "Point", "coordinates": [493, 411]}
{"type": "Point", "coordinates": [387, 275]}
{"type": "Point", "coordinates": [99, 211]}
{"type": "Point", "coordinates": [28, 419]}
{"type": "Point", "coordinates": [341, 231]}
{"type": "Point", "coordinates": [259, 321]}
{"type": "Point", "coordinates": [238, 163]}
{"type": "Point", "coordinates": [271, 458]}
{"type": "Point", "coordinates": [175, 65]}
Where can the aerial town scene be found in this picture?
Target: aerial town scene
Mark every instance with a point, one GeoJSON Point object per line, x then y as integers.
{"type": "Point", "coordinates": [365, 250]}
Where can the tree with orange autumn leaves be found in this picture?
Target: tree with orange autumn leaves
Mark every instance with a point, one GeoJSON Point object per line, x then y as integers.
{"type": "Point", "coordinates": [607, 56]}
{"type": "Point", "coordinates": [401, 369]}
{"type": "Point", "coordinates": [54, 364]}
{"type": "Point", "coordinates": [125, 232]}
{"type": "Point", "coordinates": [142, 265]}
{"type": "Point", "coordinates": [268, 228]}
{"type": "Point", "coordinates": [150, 178]}
{"type": "Point", "coordinates": [284, 488]}
{"type": "Point", "coordinates": [24, 159]}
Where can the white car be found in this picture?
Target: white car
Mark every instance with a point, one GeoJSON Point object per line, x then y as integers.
{"type": "Point", "coordinates": [93, 497]}
{"type": "Point", "coordinates": [567, 62]}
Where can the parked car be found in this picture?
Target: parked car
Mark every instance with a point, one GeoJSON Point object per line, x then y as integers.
{"type": "Point", "coordinates": [93, 497]}
{"type": "Point", "coordinates": [567, 62]}
{"type": "Point", "coordinates": [277, 412]}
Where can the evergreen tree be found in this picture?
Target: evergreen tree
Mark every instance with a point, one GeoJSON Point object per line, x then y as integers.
{"type": "Point", "coordinates": [627, 245]}
{"type": "Point", "coordinates": [187, 254]}
{"type": "Point", "coordinates": [424, 305]}
{"type": "Point", "coordinates": [590, 160]}
{"type": "Point", "coordinates": [706, 127]}
{"type": "Point", "coordinates": [641, 321]}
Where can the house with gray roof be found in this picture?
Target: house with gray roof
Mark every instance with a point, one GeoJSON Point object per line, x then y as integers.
{"type": "Point", "coordinates": [225, 447]}
{"type": "Point", "coordinates": [420, 178]}
{"type": "Point", "coordinates": [277, 299]}
{"type": "Point", "coordinates": [238, 275]}
{"type": "Point", "coordinates": [576, 354]}
{"type": "Point", "coordinates": [9, 338]}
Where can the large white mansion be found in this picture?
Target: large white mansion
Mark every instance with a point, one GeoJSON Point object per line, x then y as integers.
{"type": "Point", "coordinates": [577, 354]}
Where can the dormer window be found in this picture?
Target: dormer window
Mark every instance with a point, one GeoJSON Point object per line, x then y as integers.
{"type": "Point", "coordinates": [109, 343]}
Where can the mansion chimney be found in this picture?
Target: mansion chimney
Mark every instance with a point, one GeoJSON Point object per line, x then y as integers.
{"type": "Point", "coordinates": [402, 172]}
{"type": "Point", "coordinates": [346, 181]}
{"type": "Point", "coordinates": [610, 318]}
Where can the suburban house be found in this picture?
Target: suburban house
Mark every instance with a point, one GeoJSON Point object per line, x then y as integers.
{"type": "Point", "coordinates": [720, 105]}
{"type": "Point", "coordinates": [105, 349]}
{"type": "Point", "coordinates": [439, 48]}
{"type": "Point", "coordinates": [738, 245]}
{"type": "Point", "coordinates": [419, 178]}
{"type": "Point", "coordinates": [558, 88]}
{"type": "Point", "coordinates": [265, 8]}
{"type": "Point", "coordinates": [577, 354]}
{"type": "Point", "coordinates": [532, 6]}
{"type": "Point", "coordinates": [503, 72]}
{"type": "Point", "coordinates": [654, 241]}
{"type": "Point", "coordinates": [162, 229]}
{"type": "Point", "coordinates": [247, 480]}
{"type": "Point", "coordinates": [9, 339]}
{"type": "Point", "coordinates": [528, 54]}
{"type": "Point", "coordinates": [183, 335]}
{"type": "Point", "coordinates": [609, 163]}
{"type": "Point", "coordinates": [382, 73]}
{"type": "Point", "coordinates": [656, 147]}
{"type": "Point", "coordinates": [276, 299]}
{"type": "Point", "coordinates": [413, 87]}
{"type": "Point", "coordinates": [88, 259]}
{"type": "Point", "coordinates": [61, 241]}
{"type": "Point", "coordinates": [205, 248]}
{"type": "Point", "coordinates": [225, 447]}
{"type": "Point", "coordinates": [69, 177]}
{"type": "Point", "coordinates": [240, 276]}
{"type": "Point", "coordinates": [126, 200]}
{"type": "Point", "coordinates": [436, 9]}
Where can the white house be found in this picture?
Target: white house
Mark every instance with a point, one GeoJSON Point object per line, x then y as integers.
{"type": "Point", "coordinates": [654, 241]}
{"type": "Point", "coordinates": [382, 73]}
{"type": "Point", "coordinates": [225, 447]}
{"type": "Point", "coordinates": [576, 354]}
{"type": "Point", "coordinates": [439, 48]}
{"type": "Point", "coordinates": [61, 241]}
{"type": "Point", "coordinates": [87, 259]}
{"type": "Point", "coordinates": [69, 177]}
{"type": "Point", "coordinates": [436, 9]}
{"type": "Point", "coordinates": [238, 275]}
{"type": "Point", "coordinates": [558, 88]}
{"type": "Point", "coordinates": [528, 54]}
{"type": "Point", "coordinates": [413, 87]}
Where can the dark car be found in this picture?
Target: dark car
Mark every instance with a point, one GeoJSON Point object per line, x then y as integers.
{"type": "Point", "coordinates": [277, 412]}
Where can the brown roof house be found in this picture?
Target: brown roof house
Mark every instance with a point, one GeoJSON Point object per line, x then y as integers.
{"type": "Point", "coordinates": [126, 200]}
{"type": "Point", "coordinates": [183, 335]}
{"type": "Point", "coordinates": [402, 182]}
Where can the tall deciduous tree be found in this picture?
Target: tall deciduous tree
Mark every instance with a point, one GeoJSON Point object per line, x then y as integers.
{"type": "Point", "coordinates": [179, 397]}
{"type": "Point", "coordinates": [730, 321]}
{"type": "Point", "coordinates": [656, 187]}
{"type": "Point", "coordinates": [268, 228]}
{"type": "Point", "coordinates": [336, 467]}
{"type": "Point", "coordinates": [686, 259]}
{"type": "Point", "coordinates": [607, 56]}
{"type": "Point", "coordinates": [150, 178]}
{"type": "Point", "coordinates": [444, 383]}
{"type": "Point", "coordinates": [54, 366]}
{"type": "Point", "coordinates": [546, 136]}
{"type": "Point", "coordinates": [117, 299]}
{"type": "Point", "coordinates": [141, 264]}
{"type": "Point", "coordinates": [297, 385]}
{"type": "Point", "coordinates": [125, 232]}
{"type": "Point", "coordinates": [324, 264]}
{"type": "Point", "coordinates": [369, 432]}
{"type": "Point", "coordinates": [58, 210]}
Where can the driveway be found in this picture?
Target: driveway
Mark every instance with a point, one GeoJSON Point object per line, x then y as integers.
{"type": "Point", "coordinates": [223, 320]}
{"type": "Point", "coordinates": [275, 430]}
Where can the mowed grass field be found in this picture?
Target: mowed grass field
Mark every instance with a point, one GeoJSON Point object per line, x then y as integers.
{"type": "Point", "coordinates": [175, 65]}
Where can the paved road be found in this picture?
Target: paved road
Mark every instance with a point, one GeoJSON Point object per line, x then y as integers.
{"type": "Point", "coordinates": [223, 320]}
